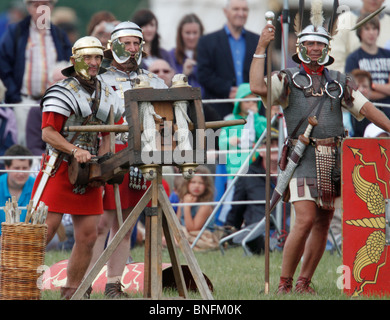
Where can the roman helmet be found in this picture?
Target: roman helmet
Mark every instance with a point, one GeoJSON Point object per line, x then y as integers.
{"type": "Point", "coordinates": [84, 46]}
{"type": "Point", "coordinates": [125, 29]}
{"type": "Point", "coordinates": [314, 32]}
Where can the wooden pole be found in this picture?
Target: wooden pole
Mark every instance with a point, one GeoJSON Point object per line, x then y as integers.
{"type": "Point", "coordinates": [125, 128]}
{"type": "Point", "coordinates": [269, 16]}
{"type": "Point", "coordinates": [116, 186]}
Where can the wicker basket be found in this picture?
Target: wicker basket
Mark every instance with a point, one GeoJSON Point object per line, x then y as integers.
{"type": "Point", "coordinates": [22, 252]}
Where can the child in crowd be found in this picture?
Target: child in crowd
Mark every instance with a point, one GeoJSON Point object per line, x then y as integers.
{"type": "Point", "coordinates": [241, 138]}
{"type": "Point", "coordinates": [197, 189]}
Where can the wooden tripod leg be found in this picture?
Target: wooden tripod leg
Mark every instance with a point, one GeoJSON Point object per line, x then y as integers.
{"type": "Point", "coordinates": [153, 246]}
{"type": "Point", "coordinates": [126, 226]}
{"type": "Point", "coordinates": [176, 267]}
{"type": "Point", "coordinates": [173, 223]}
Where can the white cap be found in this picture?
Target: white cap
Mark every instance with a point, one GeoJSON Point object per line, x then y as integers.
{"type": "Point", "coordinates": [372, 131]}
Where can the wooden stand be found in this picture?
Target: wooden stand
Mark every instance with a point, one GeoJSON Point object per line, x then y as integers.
{"type": "Point", "coordinates": [159, 218]}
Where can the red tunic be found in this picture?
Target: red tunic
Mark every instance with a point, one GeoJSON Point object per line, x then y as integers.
{"type": "Point", "coordinates": [58, 194]}
{"type": "Point", "coordinates": [129, 196]}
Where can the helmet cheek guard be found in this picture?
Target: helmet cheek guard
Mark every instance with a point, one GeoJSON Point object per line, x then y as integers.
{"type": "Point", "coordinates": [85, 46]}
{"type": "Point", "coordinates": [121, 55]}
{"type": "Point", "coordinates": [302, 53]}
{"type": "Point", "coordinates": [81, 67]}
{"type": "Point", "coordinates": [324, 57]}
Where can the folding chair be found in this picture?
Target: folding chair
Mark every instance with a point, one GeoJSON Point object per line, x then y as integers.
{"type": "Point", "coordinates": [247, 234]}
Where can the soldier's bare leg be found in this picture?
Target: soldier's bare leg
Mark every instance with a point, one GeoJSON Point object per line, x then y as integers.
{"type": "Point", "coordinates": [85, 236]}
{"type": "Point", "coordinates": [117, 261]}
{"type": "Point", "coordinates": [306, 212]}
{"type": "Point", "coordinates": [53, 221]}
{"type": "Point", "coordinates": [316, 243]}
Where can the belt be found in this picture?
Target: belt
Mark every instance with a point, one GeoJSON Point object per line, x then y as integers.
{"type": "Point", "coordinates": [315, 141]}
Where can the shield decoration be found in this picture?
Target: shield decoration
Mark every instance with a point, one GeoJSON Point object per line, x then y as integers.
{"type": "Point", "coordinates": [365, 193]}
{"type": "Point", "coordinates": [132, 278]}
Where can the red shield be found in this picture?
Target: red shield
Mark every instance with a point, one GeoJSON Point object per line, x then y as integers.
{"type": "Point", "coordinates": [365, 190]}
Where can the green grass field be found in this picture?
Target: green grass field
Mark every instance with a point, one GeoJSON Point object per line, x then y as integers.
{"type": "Point", "coordinates": [236, 276]}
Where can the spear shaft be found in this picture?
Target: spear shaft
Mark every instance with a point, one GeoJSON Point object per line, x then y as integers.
{"type": "Point", "coordinates": [269, 16]}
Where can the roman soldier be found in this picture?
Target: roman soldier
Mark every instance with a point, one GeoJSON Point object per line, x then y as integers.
{"type": "Point", "coordinates": [125, 53]}
{"type": "Point", "coordinates": [308, 90]}
{"type": "Point", "coordinates": [80, 99]}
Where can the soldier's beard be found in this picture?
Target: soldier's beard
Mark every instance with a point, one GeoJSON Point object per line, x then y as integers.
{"type": "Point", "coordinates": [128, 66]}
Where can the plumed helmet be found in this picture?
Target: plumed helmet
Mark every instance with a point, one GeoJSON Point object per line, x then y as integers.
{"type": "Point", "coordinates": [313, 32]}
{"type": "Point", "coordinates": [84, 46]}
{"type": "Point", "coordinates": [318, 34]}
{"type": "Point", "coordinates": [125, 29]}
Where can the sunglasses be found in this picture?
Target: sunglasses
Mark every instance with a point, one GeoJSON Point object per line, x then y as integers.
{"type": "Point", "coordinates": [160, 71]}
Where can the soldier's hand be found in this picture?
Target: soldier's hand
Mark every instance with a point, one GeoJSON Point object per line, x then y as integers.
{"type": "Point", "coordinates": [82, 156]}
{"type": "Point", "coordinates": [267, 35]}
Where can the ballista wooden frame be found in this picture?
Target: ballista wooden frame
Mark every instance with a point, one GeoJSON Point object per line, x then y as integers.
{"type": "Point", "coordinates": [160, 218]}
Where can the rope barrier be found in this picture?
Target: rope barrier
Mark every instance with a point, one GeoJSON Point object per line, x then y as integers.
{"type": "Point", "coordinates": [11, 105]}
{"type": "Point", "coordinates": [197, 203]}
{"type": "Point", "coordinates": [213, 203]}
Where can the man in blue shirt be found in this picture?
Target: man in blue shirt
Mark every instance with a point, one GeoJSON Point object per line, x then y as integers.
{"type": "Point", "coordinates": [16, 184]}
{"type": "Point", "coordinates": [224, 57]}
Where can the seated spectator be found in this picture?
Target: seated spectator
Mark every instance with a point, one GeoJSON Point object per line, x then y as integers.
{"type": "Point", "coordinates": [8, 127]}
{"type": "Point", "coordinates": [363, 80]}
{"type": "Point", "coordinates": [253, 189]}
{"type": "Point", "coordinates": [163, 70]}
{"type": "Point", "coordinates": [16, 184]}
{"type": "Point", "coordinates": [189, 31]}
{"type": "Point", "coordinates": [149, 25]}
{"type": "Point", "coordinates": [192, 218]}
{"type": "Point", "coordinates": [240, 137]}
